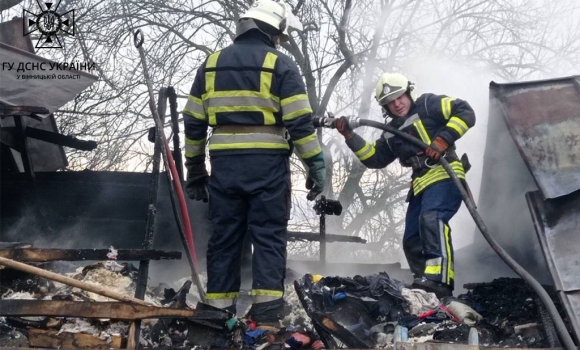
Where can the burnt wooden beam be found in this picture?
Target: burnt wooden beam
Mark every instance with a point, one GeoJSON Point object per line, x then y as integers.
{"type": "Point", "coordinates": [142, 277]}
{"type": "Point", "coordinates": [43, 254]}
{"type": "Point", "coordinates": [315, 237]}
{"type": "Point", "coordinates": [9, 136]}
{"type": "Point", "coordinates": [104, 309]}
{"type": "Point", "coordinates": [24, 156]}
{"type": "Point", "coordinates": [172, 96]}
{"type": "Point", "coordinates": [52, 339]}
{"type": "Point", "coordinates": [25, 111]}
{"type": "Point", "coordinates": [60, 139]}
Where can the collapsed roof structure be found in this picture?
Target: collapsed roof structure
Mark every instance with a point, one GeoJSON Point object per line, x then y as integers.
{"type": "Point", "coordinates": [531, 161]}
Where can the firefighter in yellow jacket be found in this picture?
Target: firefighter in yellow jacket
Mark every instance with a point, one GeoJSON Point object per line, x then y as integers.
{"type": "Point", "coordinates": [254, 98]}
{"type": "Point", "coordinates": [438, 121]}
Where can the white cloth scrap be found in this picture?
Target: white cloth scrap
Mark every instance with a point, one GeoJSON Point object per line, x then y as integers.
{"type": "Point", "coordinates": [419, 300]}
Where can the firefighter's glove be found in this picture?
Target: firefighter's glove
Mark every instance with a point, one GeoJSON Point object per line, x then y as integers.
{"type": "Point", "coordinates": [197, 178]}
{"type": "Point", "coordinates": [437, 147]}
{"type": "Point", "coordinates": [197, 190]}
{"type": "Point", "coordinates": [341, 124]}
{"type": "Point", "coordinates": [316, 176]}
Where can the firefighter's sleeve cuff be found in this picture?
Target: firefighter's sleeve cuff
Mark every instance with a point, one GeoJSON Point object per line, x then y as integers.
{"type": "Point", "coordinates": [449, 136]}
{"type": "Point", "coordinates": [356, 143]}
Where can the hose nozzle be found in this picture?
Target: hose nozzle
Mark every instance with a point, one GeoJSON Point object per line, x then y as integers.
{"type": "Point", "coordinates": [328, 122]}
{"type": "Point", "coordinates": [323, 122]}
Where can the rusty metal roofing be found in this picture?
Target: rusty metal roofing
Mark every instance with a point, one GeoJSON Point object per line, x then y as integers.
{"type": "Point", "coordinates": [557, 224]}
{"type": "Point", "coordinates": [543, 118]}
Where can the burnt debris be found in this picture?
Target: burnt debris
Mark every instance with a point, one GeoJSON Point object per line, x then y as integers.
{"type": "Point", "coordinates": [352, 312]}
{"type": "Point", "coordinates": [369, 308]}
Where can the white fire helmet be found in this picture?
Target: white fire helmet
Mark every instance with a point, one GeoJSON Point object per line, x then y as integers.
{"type": "Point", "coordinates": [392, 85]}
{"type": "Point", "coordinates": [276, 14]}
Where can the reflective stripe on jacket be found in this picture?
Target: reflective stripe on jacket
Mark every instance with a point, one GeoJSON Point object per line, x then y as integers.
{"type": "Point", "coordinates": [430, 116]}
{"type": "Point", "coordinates": [249, 83]}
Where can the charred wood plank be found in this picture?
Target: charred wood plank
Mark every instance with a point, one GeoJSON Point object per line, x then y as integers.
{"type": "Point", "coordinates": [42, 255]}
{"type": "Point", "coordinates": [51, 338]}
{"type": "Point", "coordinates": [172, 96]}
{"type": "Point", "coordinates": [142, 277]}
{"type": "Point", "coordinates": [26, 111]}
{"type": "Point", "coordinates": [60, 139]}
{"type": "Point", "coordinates": [14, 245]}
{"type": "Point", "coordinates": [10, 137]}
{"type": "Point", "coordinates": [315, 237]}
{"type": "Point", "coordinates": [327, 324]}
{"type": "Point", "coordinates": [105, 309]}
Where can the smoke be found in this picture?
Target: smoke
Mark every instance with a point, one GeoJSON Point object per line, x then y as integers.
{"type": "Point", "coordinates": [498, 179]}
{"type": "Point", "coordinates": [41, 229]}
{"type": "Point", "coordinates": [167, 238]}
{"type": "Point", "coordinates": [464, 81]}
{"type": "Point", "coordinates": [502, 205]}
{"type": "Point", "coordinates": [475, 261]}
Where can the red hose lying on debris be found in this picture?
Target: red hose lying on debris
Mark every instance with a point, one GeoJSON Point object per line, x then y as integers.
{"type": "Point", "coordinates": [182, 204]}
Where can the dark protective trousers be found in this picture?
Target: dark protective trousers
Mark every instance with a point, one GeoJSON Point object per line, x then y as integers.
{"type": "Point", "coordinates": [427, 238]}
{"type": "Point", "coordinates": [248, 193]}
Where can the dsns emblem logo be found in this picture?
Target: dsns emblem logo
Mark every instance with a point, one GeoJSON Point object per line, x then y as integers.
{"type": "Point", "coordinates": [50, 23]}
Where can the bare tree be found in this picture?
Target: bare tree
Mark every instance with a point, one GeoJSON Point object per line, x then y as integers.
{"type": "Point", "coordinates": [345, 45]}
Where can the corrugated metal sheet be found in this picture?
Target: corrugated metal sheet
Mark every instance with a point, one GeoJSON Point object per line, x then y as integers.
{"type": "Point", "coordinates": [557, 224]}
{"type": "Point", "coordinates": [543, 118]}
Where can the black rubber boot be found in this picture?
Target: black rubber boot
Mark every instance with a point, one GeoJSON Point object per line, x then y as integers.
{"type": "Point", "coordinates": [269, 313]}
{"type": "Point", "coordinates": [413, 248]}
{"type": "Point", "coordinates": [202, 306]}
{"type": "Point", "coordinates": [441, 290]}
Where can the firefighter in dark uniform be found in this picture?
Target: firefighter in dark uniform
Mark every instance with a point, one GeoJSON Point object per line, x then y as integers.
{"type": "Point", "coordinates": [438, 121]}
{"type": "Point", "coordinates": [254, 99]}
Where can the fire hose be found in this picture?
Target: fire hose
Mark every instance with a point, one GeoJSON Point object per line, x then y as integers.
{"type": "Point", "coordinates": [183, 219]}
{"type": "Point", "coordinates": [565, 337]}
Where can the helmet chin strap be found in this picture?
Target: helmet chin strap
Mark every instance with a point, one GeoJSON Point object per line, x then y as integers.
{"type": "Point", "coordinates": [385, 111]}
{"type": "Point", "coordinates": [274, 40]}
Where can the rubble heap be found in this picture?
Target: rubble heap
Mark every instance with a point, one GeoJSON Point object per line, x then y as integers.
{"type": "Point", "coordinates": [330, 312]}
{"type": "Point", "coordinates": [367, 310]}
